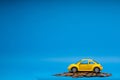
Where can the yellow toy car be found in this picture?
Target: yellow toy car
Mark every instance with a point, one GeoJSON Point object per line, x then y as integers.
{"type": "Point", "coordinates": [85, 65]}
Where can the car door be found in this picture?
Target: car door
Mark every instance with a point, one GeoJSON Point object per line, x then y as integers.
{"type": "Point", "coordinates": [91, 65]}
{"type": "Point", "coordinates": [83, 65]}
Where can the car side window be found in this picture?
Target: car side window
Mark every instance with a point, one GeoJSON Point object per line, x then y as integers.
{"type": "Point", "coordinates": [91, 62]}
{"type": "Point", "coordinates": [84, 62]}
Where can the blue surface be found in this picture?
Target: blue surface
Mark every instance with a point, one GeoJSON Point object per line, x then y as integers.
{"type": "Point", "coordinates": [41, 38]}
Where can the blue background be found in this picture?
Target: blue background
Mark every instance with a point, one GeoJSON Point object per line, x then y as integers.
{"type": "Point", "coordinates": [41, 38]}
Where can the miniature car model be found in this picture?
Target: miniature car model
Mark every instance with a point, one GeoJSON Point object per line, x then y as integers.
{"type": "Point", "coordinates": [85, 65]}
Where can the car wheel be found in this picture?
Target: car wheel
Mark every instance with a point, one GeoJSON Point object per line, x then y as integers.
{"type": "Point", "coordinates": [97, 70]}
{"type": "Point", "coordinates": [74, 69]}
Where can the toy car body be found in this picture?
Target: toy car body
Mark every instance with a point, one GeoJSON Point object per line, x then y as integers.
{"type": "Point", "coordinates": [85, 65]}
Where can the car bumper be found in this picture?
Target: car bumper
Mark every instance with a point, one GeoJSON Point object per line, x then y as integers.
{"type": "Point", "coordinates": [101, 67]}
{"type": "Point", "coordinates": [69, 68]}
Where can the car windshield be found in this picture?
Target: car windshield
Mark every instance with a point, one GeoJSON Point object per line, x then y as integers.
{"type": "Point", "coordinates": [78, 61]}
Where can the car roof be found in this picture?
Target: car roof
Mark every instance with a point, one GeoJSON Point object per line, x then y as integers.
{"type": "Point", "coordinates": [86, 59]}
